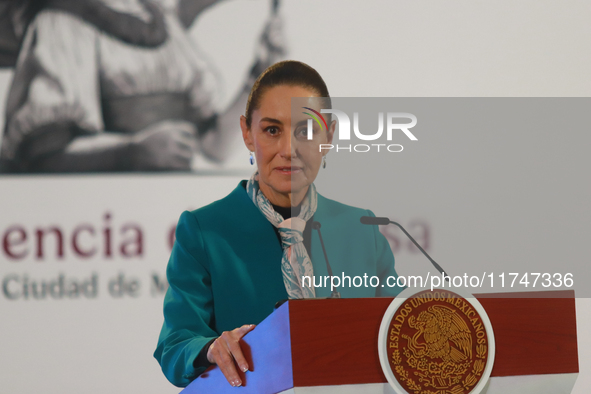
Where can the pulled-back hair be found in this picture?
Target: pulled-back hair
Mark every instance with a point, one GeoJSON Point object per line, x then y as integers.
{"type": "Point", "coordinates": [290, 73]}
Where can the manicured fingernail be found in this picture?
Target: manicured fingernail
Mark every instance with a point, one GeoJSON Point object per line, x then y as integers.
{"type": "Point", "coordinates": [244, 369]}
{"type": "Point", "coordinates": [238, 383]}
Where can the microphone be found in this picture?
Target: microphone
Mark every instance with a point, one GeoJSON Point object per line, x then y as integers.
{"type": "Point", "coordinates": [316, 226]}
{"type": "Point", "coordinates": [374, 220]}
{"type": "Point", "coordinates": [385, 221]}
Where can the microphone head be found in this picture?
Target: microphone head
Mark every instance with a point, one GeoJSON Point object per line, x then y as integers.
{"type": "Point", "coordinates": [316, 225]}
{"type": "Point", "coordinates": [374, 220]}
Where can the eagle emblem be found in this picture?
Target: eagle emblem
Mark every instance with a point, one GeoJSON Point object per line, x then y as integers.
{"type": "Point", "coordinates": [441, 333]}
{"type": "Point", "coordinates": [437, 344]}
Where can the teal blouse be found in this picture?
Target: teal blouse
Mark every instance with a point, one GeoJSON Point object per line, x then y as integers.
{"type": "Point", "coordinates": [225, 271]}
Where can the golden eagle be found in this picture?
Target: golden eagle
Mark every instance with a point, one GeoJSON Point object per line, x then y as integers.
{"type": "Point", "coordinates": [445, 335]}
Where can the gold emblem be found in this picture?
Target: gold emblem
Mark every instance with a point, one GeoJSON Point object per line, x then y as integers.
{"type": "Point", "coordinates": [437, 343]}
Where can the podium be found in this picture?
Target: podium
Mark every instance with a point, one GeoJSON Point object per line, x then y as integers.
{"type": "Point", "coordinates": [331, 346]}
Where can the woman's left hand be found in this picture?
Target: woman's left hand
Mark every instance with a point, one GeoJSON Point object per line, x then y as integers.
{"type": "Point", "coordinates": [271, 47]}
{"type": "Point", "coordinates": [273, 38]}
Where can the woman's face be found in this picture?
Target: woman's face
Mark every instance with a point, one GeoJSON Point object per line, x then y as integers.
{"type": "Point", "coordinates": [287, 161]}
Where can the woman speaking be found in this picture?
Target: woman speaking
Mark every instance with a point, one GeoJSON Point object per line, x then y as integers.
{"type": "Point", "coordinates": [235, 258]}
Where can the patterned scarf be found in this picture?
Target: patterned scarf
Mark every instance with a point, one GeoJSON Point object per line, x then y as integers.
{"type": "Point", "coordinates": [295, 261]}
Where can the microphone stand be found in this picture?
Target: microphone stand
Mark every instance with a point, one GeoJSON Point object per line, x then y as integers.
{"type": "Point", "coordinates": [385, 221]}
{"type": "Point", "coordinates": [316, 226]}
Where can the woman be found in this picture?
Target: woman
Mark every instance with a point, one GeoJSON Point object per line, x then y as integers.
{"type": "Point", "coordinates": [235, 258]}
{"type": "Point", "coordinates": [110, 85]}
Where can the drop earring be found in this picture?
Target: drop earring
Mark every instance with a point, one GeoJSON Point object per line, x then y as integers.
{"type": "Point", "coordinates": [251, 158]}
{"type": "Point", "coordinates": [324, 162]}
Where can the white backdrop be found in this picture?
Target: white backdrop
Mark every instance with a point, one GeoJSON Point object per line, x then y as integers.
{"type": "Point", "coordinates": [363, 48]}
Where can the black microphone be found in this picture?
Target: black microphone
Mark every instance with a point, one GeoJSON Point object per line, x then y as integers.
{"type": "Point", "coordinates": [384, 221]}
{"type": "Point", "coordinates": [374, 220]}
{"type": "Point", "coordinates": [316, 226]}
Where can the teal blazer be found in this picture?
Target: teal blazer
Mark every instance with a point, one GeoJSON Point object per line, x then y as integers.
{"type": "Point", "coordinates": [225, 271]}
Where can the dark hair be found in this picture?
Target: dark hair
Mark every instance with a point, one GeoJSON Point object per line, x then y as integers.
{"type": "Point", "coordinates": [288, 72]}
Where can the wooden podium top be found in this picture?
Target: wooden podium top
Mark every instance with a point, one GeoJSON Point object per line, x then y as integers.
{"type": "Point", "coordinates": [335, 341]}
{"type": "Point", "coordinates": [322, 342]}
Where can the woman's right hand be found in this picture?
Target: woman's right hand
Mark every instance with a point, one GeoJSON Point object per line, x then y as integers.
{"type": "Point", "coordinates": [166, 145]}
{"type": "Point", "coordinates": [226, 353]}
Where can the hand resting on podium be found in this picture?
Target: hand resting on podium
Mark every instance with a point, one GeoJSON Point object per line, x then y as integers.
{"type": "Point", "coordinates": [226, 353]}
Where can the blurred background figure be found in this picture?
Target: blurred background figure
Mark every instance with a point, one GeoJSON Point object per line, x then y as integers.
{"type": "Point", "coordinates": [115, 85]}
